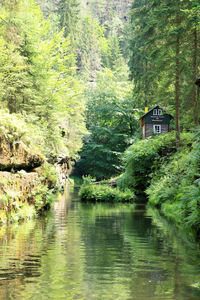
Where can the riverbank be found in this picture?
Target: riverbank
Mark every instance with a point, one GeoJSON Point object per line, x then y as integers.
{"type": "Point", "coordinates": [28, 181]}
{"type": "Point", "coordinates": [103, 192]}
{"type": "Point", "coordinates": [167, 176]}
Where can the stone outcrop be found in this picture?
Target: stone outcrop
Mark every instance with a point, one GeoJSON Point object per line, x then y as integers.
{"type": "Point", "coordinates": [25, 176]}
{"type": "Point", "coordinates": [64, 168]}
{"type": "Point", "coordinates": [20, 186]}
{"type": "Point", "coordinates": [19, 182]}
{"type": "Point", "coordinates": [16, 156]}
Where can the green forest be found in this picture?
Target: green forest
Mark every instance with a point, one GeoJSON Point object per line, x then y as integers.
{"type": "Point", "coordinates": [75, 78]}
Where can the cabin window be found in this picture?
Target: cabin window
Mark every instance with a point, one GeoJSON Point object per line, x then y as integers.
{"type": "Point", "coordinates": [157, 128]}
{"type": "Point", "coordinates": [155, 112]}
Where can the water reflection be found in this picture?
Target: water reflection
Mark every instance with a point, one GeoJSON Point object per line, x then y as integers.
{"type": "Point", "coordinates": [81, 251]}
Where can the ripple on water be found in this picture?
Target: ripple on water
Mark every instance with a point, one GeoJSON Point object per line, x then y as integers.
{"type": "Point", "coordinates": [96, 252]}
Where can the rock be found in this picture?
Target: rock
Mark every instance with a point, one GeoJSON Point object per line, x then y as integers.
{"type": "Point", "coordinates": [64, 169]}
{"type": "Point", "coordinates": [17, 157]}
{"type": "Point", "coordinates": [21, 186]}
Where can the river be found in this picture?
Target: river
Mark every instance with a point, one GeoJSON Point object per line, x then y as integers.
{"type": "Point", "coordinates": [98, 252]}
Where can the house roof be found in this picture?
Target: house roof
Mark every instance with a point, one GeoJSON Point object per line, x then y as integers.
{"type": "Point", "coordinates": [157, 106]}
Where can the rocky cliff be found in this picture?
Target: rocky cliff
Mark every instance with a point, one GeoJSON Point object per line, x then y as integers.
{"type": "Point", "coordinates": [17, 156]}
{"type": "Point", "coordinates": [25, 176]}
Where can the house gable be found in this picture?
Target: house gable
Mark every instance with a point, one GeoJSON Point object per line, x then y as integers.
{"type": "Point", "coordinates": [155, 121]}
{"type": "Point", "coordinates": [156, 115]}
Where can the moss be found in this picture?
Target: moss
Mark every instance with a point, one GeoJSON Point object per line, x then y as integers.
{"type": "Point", "coordinates": [22, 148]}
{"type": "Point", "coordinates": [20, 190]}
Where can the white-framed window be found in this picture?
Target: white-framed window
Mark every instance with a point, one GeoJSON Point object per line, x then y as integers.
{"type": "Point", "coordinates": [159, 112]}
{"type": "Point", "coordinates": [157, 128]}
{"type": "Point", "coordinates": [155, 112]}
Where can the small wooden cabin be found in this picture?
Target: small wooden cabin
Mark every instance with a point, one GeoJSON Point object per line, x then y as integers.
{"type": "Point", "coordinates": [155, 121]}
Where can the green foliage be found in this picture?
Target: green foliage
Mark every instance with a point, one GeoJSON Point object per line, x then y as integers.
{"type": "Point", "coordinates": [25, 212]}
{"type": "Point", "coordinates": [21, 199]}
{"type": "Point", "coordinates": [88, 47]}
{"type": "Point", "coordinates": [15, 131]}
{"type": "Point", "coordinates": [143, 158]}
{"type": "Point", "coordinates": [112, 121]}
{"type": "Point", "coordinates": [43, 197]}
{"type": "Point", "coordinates": [155, 56]}
{"type": "Point", "coordinates": [49, 175]}
{"type": "Point", "coordinates": [47, 189]}
{"type": "Point", "coordinates": [37, 69]}
{"type": "Point", "coordinates": [75, 180]}
{"type": "Point", "coordinates": [12, 208]}
{"type": "Point", "coordinates": [17, 191]}
{"type": "Point", "coordinates": [175, 189]}
{"type": "Point", "coordinates": [69, 17]}
{"type": "Point", "coordinates": [103, 193]}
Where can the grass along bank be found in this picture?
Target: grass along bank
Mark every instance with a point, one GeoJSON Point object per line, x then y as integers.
{"type": "Point", "coordinates": [170, 178]}
{"type": "Point", "coordinates": [143, 160]}
{"type": "Point", "coordinates": [102, 192]}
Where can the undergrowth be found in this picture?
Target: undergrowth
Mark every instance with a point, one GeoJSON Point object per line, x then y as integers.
{"type": "Point", "coordinates": [143, 159]}
{"type": "Point", "coordinates": [15, 130]}
{"type": "Point", "coordinates": [170, 178]}
{"type": "Point", "coordinates": [104, 193]}
{"type": "Point", "coordinates": [175, 189]}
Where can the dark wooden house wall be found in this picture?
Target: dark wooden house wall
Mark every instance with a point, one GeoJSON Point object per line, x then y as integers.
{"type": "Point", "coordinates": [148, 121]}
{"type": "Point", "coordinates": [149, 129]}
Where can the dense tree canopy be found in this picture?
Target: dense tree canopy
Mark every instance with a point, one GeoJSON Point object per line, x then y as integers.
{"type": "Point", "coordinates": [165, 55]}
{"type": "Point", "coordinates": [38, 70]}
{"type": "Point", "coordinates": [59, 57]}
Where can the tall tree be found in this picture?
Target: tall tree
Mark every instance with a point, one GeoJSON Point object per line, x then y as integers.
{"type": "Point", "coordinates": [162, 55]}
{"type": "Point", "coordinates": [37, 71]}
{"type": "Point", "coordinates": [68, 11]}
{"type": "Point", "coordinates": [112, 122]}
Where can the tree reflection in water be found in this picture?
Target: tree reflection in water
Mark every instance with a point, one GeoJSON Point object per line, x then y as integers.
{"type": "Point", "coordinates": [84, 251]}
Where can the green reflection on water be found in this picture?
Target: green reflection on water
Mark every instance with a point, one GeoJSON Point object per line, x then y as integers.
{"type": "Point", "coordinates": [87, 251]}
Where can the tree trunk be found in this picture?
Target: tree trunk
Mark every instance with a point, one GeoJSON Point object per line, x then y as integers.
{"type": "Point", "coordinates": [177, 85]}
{"type": "Point", "coordinates": [195, 93]}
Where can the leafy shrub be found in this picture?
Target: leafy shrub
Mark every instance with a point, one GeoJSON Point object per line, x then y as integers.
{"type": "Point", "coordinates": [49, 176]}
{"type": "Point", "coordinates": [176, 188]}
{"type": "Point", "coordinates": [146, 157]}
{"type": "Point", "coordinates": [25, 212]}
{"type": "Point", "coordinates": [104, 193]}
{"type": "Point", "coordinates": [15, 130]}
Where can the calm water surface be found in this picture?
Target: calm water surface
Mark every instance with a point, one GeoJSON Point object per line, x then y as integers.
{"type": "Point", "coordinates": [97, 252]}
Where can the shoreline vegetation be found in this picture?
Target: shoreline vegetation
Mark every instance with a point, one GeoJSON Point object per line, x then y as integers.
{"type": "Point", "coordinates": [103, 192]}
{"type": "Point", "coordinates": [28, 183]}
{"type": "Point", "coordinates": [75, 78]}
{"type": "Point", "coordinates": [169, 178]}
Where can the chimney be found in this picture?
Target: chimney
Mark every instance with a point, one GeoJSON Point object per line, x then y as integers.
{"type": "Point", "coordinates": [146, 108]}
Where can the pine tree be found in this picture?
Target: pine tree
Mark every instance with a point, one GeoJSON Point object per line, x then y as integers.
{"type": "Point", "coordinates": [161, 54]}
{"type": "Point", "coordinates": [68, 11]}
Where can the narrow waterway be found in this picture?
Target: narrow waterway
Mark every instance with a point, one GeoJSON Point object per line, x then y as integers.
{"type": "Point", "coordinates": [82, 251]}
